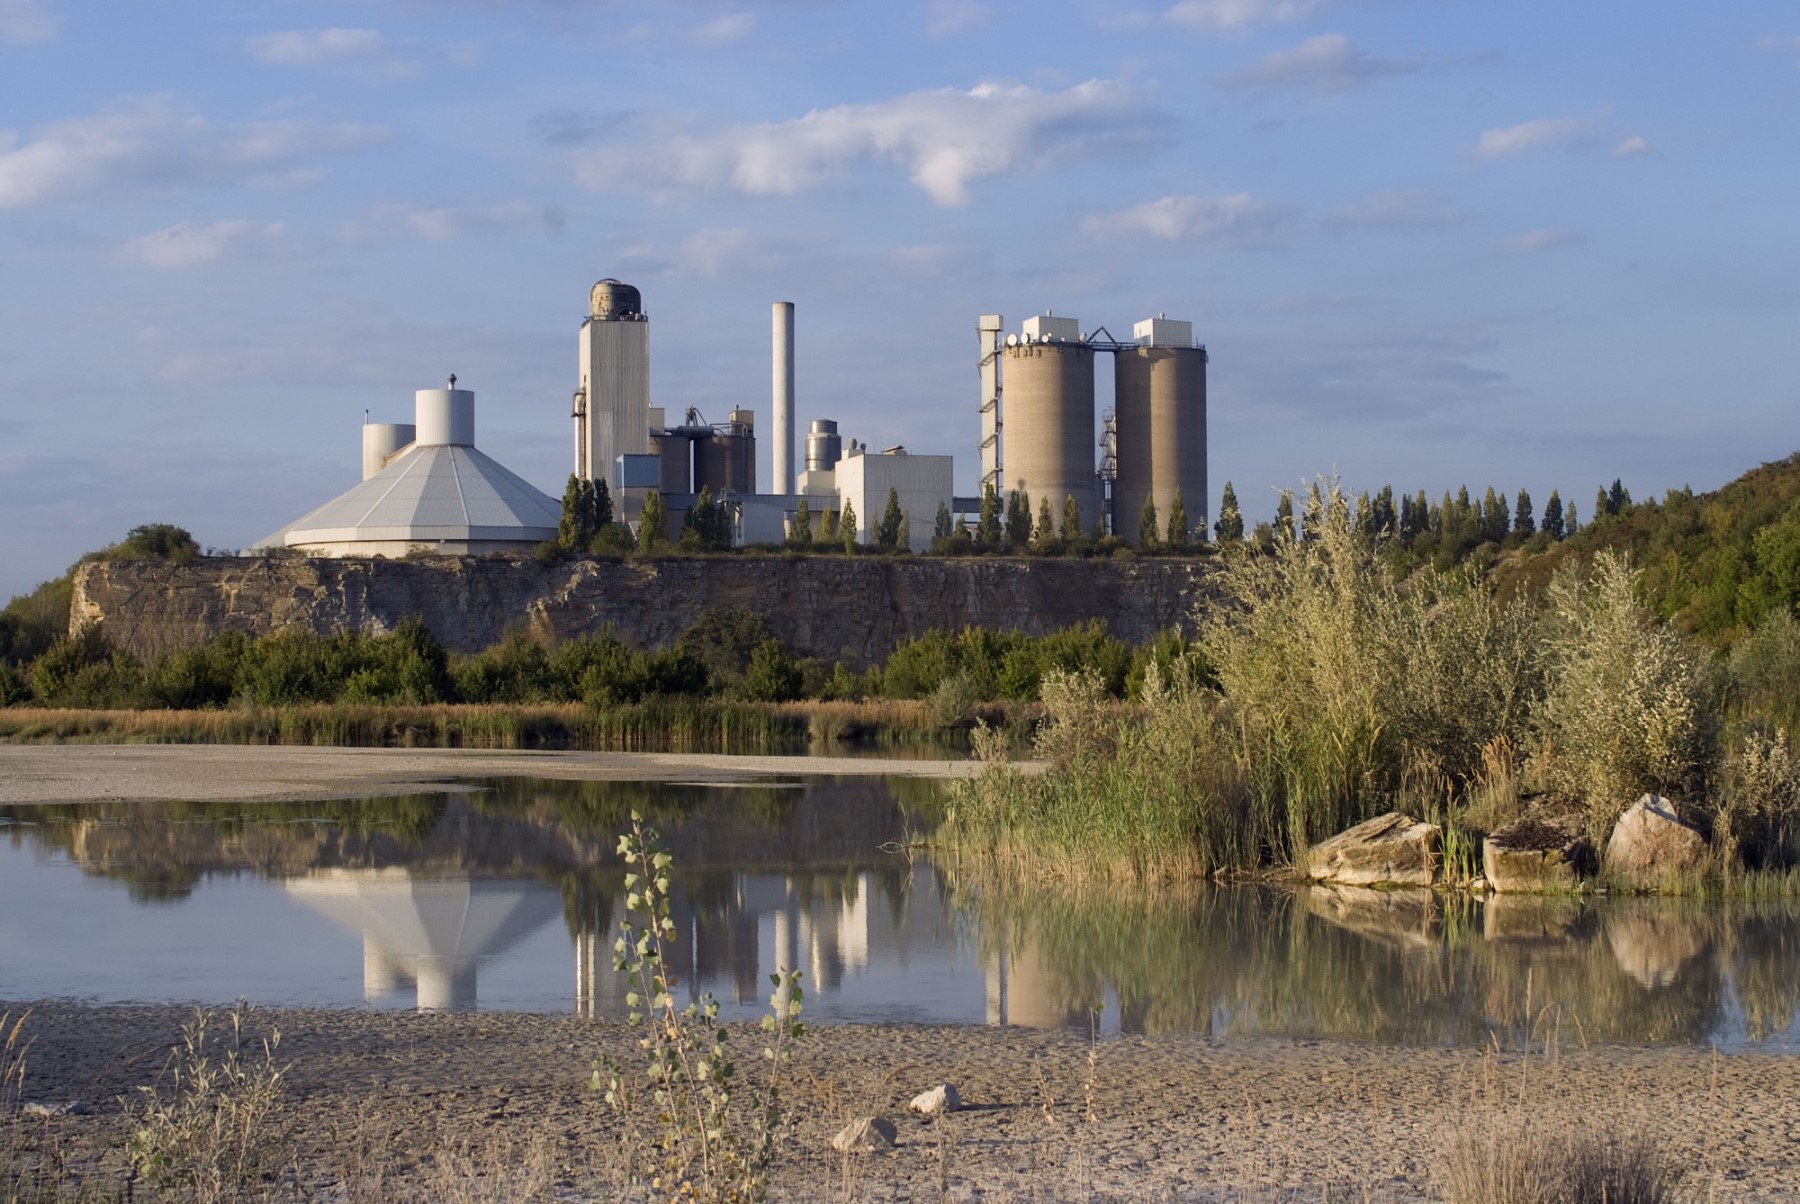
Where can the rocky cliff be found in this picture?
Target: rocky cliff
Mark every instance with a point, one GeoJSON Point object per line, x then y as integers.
{"type": "Point", "coordinates": [831, 607]}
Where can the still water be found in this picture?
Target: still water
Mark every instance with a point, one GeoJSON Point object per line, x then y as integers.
{"type": "Point", "coordinates": [509, 897]}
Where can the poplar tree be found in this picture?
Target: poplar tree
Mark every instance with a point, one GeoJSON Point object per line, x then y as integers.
{"type": "Point", "coordinates": [942, 527]}
{"type": "Point", "coordinates": [603, 507]}
{"type": "Point", "coordinates": [1553, 516]}
{"type": "Point", "coordinates": [1284, 514]}
{"type": "Point", "coordinates": [1071, 524]}
{"type": "Point", "coordinates": [1618, 498]}
{"type": "Point", "coordinates": [571, 528]}
{"type": "Point", "coordinates": [1524, 526]}
{"type": "Point", "coordinates": [1178, 523]}
{"type": "Point", "coordinates": [650, 522]}
{"type": "Point", "coordinates": [1147, 522]}
{"type": "Point", "coordinates": [887, 531]}
{"type": "Point", "coordinates": [1018, 518]}
{"type": "Point", "coordinates": [801, 536]}
{"type": "Point", "coordinates": [987, 528]}
{"type": "Point", "coordinates": [1045, 533]}
{"type": "Point", "coordinates": [847, 528]}
{"type": "Point", "coordinates": [1230, 527]}
{"type": "Point", "coordinates": [1600, 510]}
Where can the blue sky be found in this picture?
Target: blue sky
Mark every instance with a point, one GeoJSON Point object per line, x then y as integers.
{"type": "Point", "coordinates": [1530, 245]}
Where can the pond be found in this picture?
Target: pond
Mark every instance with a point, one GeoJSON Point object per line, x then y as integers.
{"type": "Point", "coordinates": [508, 896]}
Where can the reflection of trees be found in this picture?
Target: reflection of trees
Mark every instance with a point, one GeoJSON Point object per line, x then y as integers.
{"type": "Point", "coordinates": [1418, 970]}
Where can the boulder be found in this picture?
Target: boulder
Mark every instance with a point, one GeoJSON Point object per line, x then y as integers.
{"type": "Point", "coordinates": [864, 1135]}
{"type": "Point", "coordinates": [1389, 850]}
{"type": "Point", "coordinates": [942, 1098]}
{"type": "Point", "coordinates": [1536, 854]}
{"type": "Point", "coordinates": [1651, 841]}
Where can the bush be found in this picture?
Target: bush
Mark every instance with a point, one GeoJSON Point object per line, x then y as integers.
{"type": "Point", "coordinates": [772, 675]}
{"type": "Point", "coordinates": [155, 541]}
{"type": "Point", "coordinates": [1629, 703]}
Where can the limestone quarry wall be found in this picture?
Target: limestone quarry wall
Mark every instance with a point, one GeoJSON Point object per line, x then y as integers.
{"type": "Point", "coordinates": [854, 610]}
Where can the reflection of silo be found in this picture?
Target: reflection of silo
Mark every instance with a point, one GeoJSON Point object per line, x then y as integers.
{"type": "Point", "coordinates": [726, 462]}
{"type": "Point", "coordinates": [1160, 396]}
{"type": "Point", "coordinates": [1049, 450]}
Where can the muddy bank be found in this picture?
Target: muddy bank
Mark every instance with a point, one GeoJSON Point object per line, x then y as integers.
{"type": "Point", "coordinates": [397, 1105]}
{"type": "Point", "coordinates": [219, 773]}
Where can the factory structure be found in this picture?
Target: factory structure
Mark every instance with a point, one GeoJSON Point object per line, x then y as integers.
{"type": "Point", "coordinates": [425, 486]}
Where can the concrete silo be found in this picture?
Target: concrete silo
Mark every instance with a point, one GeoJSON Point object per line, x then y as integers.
{"type": "Point", "coordinates": [1049, 438]}
{"type": "Point", "coordinates": [1160, 398]}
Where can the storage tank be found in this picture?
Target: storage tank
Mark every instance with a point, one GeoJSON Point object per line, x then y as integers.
{"type": "Point", "coordinates": [726, 460]}
{"type": "Point", "coordinates": [824, 448]}
{"type": "Point", "coordinates": [675, 458]}
{"type": "Point", "coordinates": [445, 417]}
{"type": "Point", "coordinates": [1160, 396]}
{"type": "Point", "coordinates": [380, 441]}
{"type": "Point", "coordinates": [1049, 434]}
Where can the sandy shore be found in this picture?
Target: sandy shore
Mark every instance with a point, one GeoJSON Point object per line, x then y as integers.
{"type": "Point", "coordinates": [383, 1105]}
{"type": "Point", "coordinates": [76, 773]}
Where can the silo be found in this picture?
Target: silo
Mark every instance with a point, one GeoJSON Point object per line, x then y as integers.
{"type": "Point", "coordinates": [1049, 434]}
{"type": "Point", "coordinates": [1160, 396]}
{"type": "Point", "coordinates": [726, 461]}
{"type": "Point", "coordinates": [675, 462]}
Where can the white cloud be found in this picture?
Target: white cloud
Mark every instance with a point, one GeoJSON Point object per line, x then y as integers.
{"type": "Point", "coordinates": [708, 252]}
{"type": "Point", "coordinates": [724, 30]}
{"type": "Point", "coordinates": [1634, 147]}
{"type": "Point", "coordinates": [23, 22]}
{"type": "Point", "coordinates": [1230, 16]}
{"type": "Point", "coordinates": [1533, 241]}
{"type": "Point", "coordinates": [1397, 209]}
{"type": "Point", "coordinates": [1527, 135]}
{"type": "Point", "coordinates": [440, 224]}
{"type": "Point", "coordinates": [1238, 217]}
{"type": "Point", "coordinates": [1330, 62]}
{"type": "Point", "coordinates": [945, 139]}
{"type": "Point", "coordinates": [332, 47]}
{"type": "Point", "coordinates": [189, 245]}
{"type": "Point", "coordinates": [946, 18]}
{"type": "Point", "coordinates": [154, 141]}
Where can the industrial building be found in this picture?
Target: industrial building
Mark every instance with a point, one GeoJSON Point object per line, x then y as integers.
{"type": "Point", "coordinates": [1038, 421]}
{"type": "Point", "coordinates": [425, 486]}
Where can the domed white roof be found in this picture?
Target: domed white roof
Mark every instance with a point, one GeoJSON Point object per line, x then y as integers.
{"type": "Point", "coordinates": [435, 493]}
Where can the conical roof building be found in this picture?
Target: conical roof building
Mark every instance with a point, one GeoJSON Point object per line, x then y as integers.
{"type": "Point", "coordinates": [425, 486]}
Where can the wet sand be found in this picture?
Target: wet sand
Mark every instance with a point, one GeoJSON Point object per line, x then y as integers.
{"type": "Point", "coordinates": [396, 1105]}
{"type": "Point", "coordinates": [77, 773]}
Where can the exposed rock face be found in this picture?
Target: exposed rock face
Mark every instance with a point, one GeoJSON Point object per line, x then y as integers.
{"type": "Point", "coordinates": [1650, 840]}
{"type": "Point", "coordinates": [854, 610]}
{"type": "Point", "coordinates": [1389, 850]}
{"type": "Point", "coordinates": [1536, 854]}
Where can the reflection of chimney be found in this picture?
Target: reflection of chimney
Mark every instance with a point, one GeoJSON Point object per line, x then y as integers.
{"type": "Point", "coordinates": [446, 984]}
{"type": "Point", "coordinates": [782, 399]}
{"type": "Point", "coordinates": [380, 975]}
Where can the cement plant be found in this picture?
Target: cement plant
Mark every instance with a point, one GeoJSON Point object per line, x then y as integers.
{"type": "Point", "coordinates": [426, 487]}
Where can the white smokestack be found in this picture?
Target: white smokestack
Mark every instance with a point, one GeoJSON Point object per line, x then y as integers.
{"type": "Point", "coordinates": [782, 383]}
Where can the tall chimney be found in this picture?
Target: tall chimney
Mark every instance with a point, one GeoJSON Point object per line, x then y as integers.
{"type": "Point", "coordinates": [782, 381]}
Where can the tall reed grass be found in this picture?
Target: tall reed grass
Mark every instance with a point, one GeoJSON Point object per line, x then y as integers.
{"type": "Point", "coordinates": [659, 724]}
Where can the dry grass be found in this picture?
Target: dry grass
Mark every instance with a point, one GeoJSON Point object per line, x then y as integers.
{"type": "Point", "coordinates": [1523, 1157]}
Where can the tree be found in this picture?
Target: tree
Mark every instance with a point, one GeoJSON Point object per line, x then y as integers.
{"type": "Point", "coordinates": [847, 528]}
{"type": "Point", "coordinates": [941, 529]}
{"type": "Point", "coordinates": [602, 504]}
{"type": "Point", "coordinates": [651, 520]}
{"type": "Point", "coordinates": [1618, 498]}
{"type": "Point", "coordinates": [1312, 520]}
{"type": "Point", "coordinates": [1071, 524]}
{"type": "Point", "coordinates": [831, 528]}
{"type": "Point", "coordinates": [1494, 520]}
{"type": "Point", "coordinates": [1571, 523]}
{"type": "Point", "coordinates": [1044, 535]}
{"type": "Point", "coordinates": [800, 536]}
{"type": "Point", "coordinates": [1553, 516]}
{"type": "Point", "coordinates": [575, 529]}
{"type": "Point", "coordinates": [987, 527]}
{"type": "Point", "coordinates": [1387, 520]}
{"type": "Point", "coordinates": [1523, 524]}
{"type": "Point", "coordinates": [710, 521]}
{"type": "Point", "coordinates": [887, 531]}
{"type": "Point", "coordinates": [1147, 522]}
{"type": "Point", "coordinates": [156, 541]}
{"type": "Point", "coordinates": [1230, 526]}
{"type": "Point", "coordinates": [772, 675]}
{"type": "Point", "coordinates": [904, 540]}
{"type": "Point", "coordinates": [1284, 515]}
{"type": "Point", "coordinates": [1018, 518]}
{"type": "Point", "coordinates": [1600, 509]}
{"type": "Point", "coordinates": [1178, 523]}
